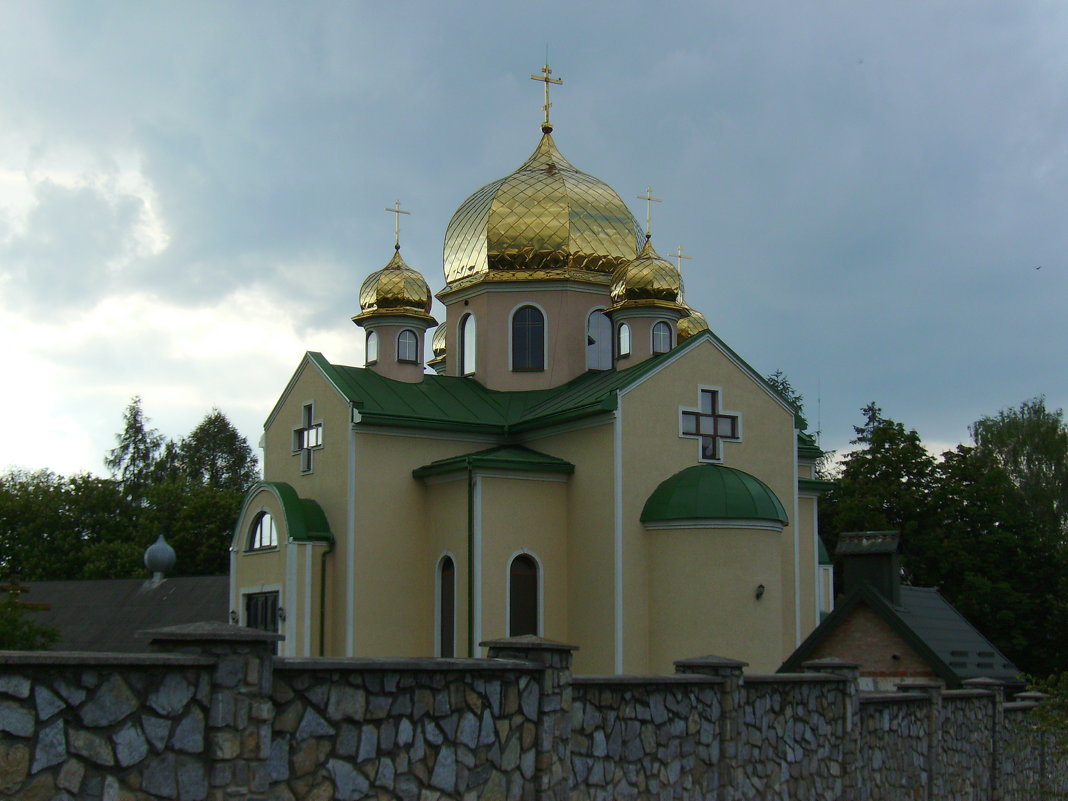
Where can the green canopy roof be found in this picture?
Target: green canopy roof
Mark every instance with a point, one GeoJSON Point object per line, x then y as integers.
{"type": "Point", "coordinates": [505, 457]}
{"type": "Point", "coordinates": [713, 492]}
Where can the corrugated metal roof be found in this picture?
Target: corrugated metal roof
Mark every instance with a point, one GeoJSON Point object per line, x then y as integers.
{"type": "Point", "coordinates": [505, 457]}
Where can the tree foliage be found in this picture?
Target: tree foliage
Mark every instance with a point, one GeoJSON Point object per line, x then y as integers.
{"type": "Point", "coordinates": [55, 527]}
{"type": "Point", "coordinates": [980, 522]}
{"type": "Point", "coordinates": [18, 630]}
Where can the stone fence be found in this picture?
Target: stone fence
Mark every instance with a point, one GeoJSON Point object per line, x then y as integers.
{"type": "Point", "coordinates": [211, 714]}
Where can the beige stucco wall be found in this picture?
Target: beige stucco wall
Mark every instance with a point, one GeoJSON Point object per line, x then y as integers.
{"type": "Point", "coordinates": [447, 533]}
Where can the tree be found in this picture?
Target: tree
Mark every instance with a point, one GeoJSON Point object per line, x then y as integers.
{"type": "Point", "coordinates": [18, 630]}
{"type": "Point", "coordinates": [215, 455]}
{"type": "Point", "coordinates": [781, 384]}
{"type": "Point", "coordinates": [133, 460]}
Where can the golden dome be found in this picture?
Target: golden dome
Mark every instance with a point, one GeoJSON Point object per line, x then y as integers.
{"type": "Point", "coordinates": [545, 220]}
{"type": "Point", "coordinates": [438, 342]}
{"type": "Point", "coordinates": [395, 289]}
{"type": "Point", "coordinates": [647, 278]}
{"type": "Point", "coordinates": [688, 326]}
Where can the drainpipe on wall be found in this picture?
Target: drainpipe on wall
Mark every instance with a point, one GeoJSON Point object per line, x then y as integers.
{"type": "Point", "coordinates": [470, 560]}
{"type": "Point", "coordinates": [322, 599]}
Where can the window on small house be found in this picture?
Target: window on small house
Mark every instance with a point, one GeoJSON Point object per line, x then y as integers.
{"type": "Point", "coordinates": [372, 348]}
{"type": "Point", "coordinates": [262, 534]}
{"type": "Point", "coordinates": [407, 346]}
{"type": "Point", "coordinates": [467, 345]}
{"type": "Point", "coordinates": [661, 337]}
{"type": "Point", "coordinates": [528, 339]}
{"type": "Point", "coordinates": [623, 340]}
{"type": "Point", "coordinates": [522, 596]}
{"type": "Point", "coordinates": [447, 608]}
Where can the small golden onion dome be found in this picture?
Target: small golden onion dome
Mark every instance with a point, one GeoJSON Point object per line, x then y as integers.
{"type": "Point", "coordinates": [647, 278]}
{"type": "Point", "coordinates": [438, 342]}
{"type": "Point", "coordinates": [543, 220]}
{"type": "Point", "coordinates": [395, 289]}
{"type": "Point", "coordinates": [687, 327]}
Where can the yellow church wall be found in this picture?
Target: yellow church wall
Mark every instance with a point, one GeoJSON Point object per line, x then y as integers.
{"type": "Point", "coordinates": [524, 514]}
{"type": "Point", "coordinates": [806, 526]}
{"type": "Point", "coordinates": [590, 553]}
{"type": "Point", "coordinates": [713, 574]}
{"type": "Point", "coordinates": [447, 533]}
{"type": "Point", "coordinates": [654, 451]}
{"type": "Point", "coordinates": [254, 571]}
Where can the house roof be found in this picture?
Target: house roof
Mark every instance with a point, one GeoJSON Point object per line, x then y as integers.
{"type": "Point", "coordinates": [953, 648]}
{"type": "Point", "coordinates": [712, 492]}
{"type": "Point", "coordinates": [505, 457]}
{"type": "Point", "coordinates": [106, 614]}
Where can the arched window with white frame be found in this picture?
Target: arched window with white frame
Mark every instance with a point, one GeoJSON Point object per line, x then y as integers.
{"type": "Point", "coordinates": [446, 607]}
{"type": "Point", "coordinates": [598, 341]}
{"type": "Point", "coordinates": [371, 350]}
{"type": "Point", "coordinates": [528, 339]}
{"type": "Point", "coordinates": [661, 337]}
{"type": "Point", "coordinates": [524, 601]}
{"type": "Point", "coordinates": [468, 330]}
{"type": "Point", "coordinates": [262, 533]}
{"type": "Point", "coordinates": [407, 346]}
{"type": "Point", "coordinates": [623, 340]}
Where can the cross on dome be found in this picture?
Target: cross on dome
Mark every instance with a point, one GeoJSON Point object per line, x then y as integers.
{"type": "Point", "coordinates": [546, 126]}
{"type": "Point", "coordinates": [649, 201]}
{"type": "Point", "coordinates": [679, 257]}
{"type": "Point", "coordinates": [396, 211]}
{"type": "Point", "coordinates": [709, 425]}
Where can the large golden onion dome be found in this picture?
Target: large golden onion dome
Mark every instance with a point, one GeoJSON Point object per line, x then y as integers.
{"type": "Point", "coordinates": [695, 323]}
{"type": "Point", "coordinates": [437, 343]}
{"type": "Point", "coordinates": [546, 220]}
{"type": "Point", "coordinates": [396, 289]}
{"type": "Point", "coordinates": [647, 280]}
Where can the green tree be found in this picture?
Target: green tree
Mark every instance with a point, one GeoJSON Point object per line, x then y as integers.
{"type": "Point", "coordinates": [133, 460]}
{"type": "Point", "coordinates": [18, 630]}
{"type": "Point", "coordinates": [215, 455]}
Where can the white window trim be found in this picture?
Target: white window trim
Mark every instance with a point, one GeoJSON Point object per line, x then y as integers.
{"type": "Point", "coordinates": [397, 346]}
{"type": "Point", "coordinates": [248, 533]}
{"type": "Point", "coordinates": [508, 592]}
{"type": "Point", "coordinates": [461, 362]}
{"type": "Point", "coordinates": [315, 421]}
{"type": "Point", "coordinates": [652, 337]}
{"type": "Point", "coordinates": [437, 602]}
{"type": "Point", "coordinates": [617, 337]}
{"type": "Point", "coordinates": [544, 336]}
{"type": "Point", "coordinates": [367, 360]}
{"type": "Point", "coordinates": [697, 408]}
{"type": "Point", "coordinates": [611, 336]}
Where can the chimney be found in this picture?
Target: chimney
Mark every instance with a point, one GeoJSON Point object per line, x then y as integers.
{"type": "Point", "coordinates": [871, 557]}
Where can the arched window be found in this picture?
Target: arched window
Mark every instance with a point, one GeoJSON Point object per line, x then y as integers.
{"type": "Point", "coordinates": [661, 337]}
{"type": "Point", "coordinates": [262, 534]}
{"type": "Point", "coordinates": [372, 347]}
{"type": "Point", "coordinates": [467, 345]}
{"type": "Point", "coordinates": [522, 596]}
{"type": "Point", "coordinates": [407, 346]}
{"type": "Point", "coordinates": [623, 340]}
{"type": "Point", "coordinates": [446, 607]}
{"type": "Point", "coordinates": [598, 341]}
{"type": "Point", "coordinates": [528, 339]}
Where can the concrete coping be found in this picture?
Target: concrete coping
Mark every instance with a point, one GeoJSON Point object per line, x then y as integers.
{"type": "Point", "coordinates": [949, 695]}
{"type": "Point", "coordinates": [668, 678]}
{"type": "Point", "coordinates": [208, 632]}
{"type": "Point", "coordinates": [830, 663]}
{"type": "Point", "coordinates": [46, 658]}
{"type": "Point", "coordinates": [1020, 706]}
{"type": "Point", "coordinates": [413, 664]}
{"type": "Point", "coordinates": [711, 660]}
{"type": "Point", "coordinates": [892, 698]}
{"type": "Point", "coordinates": [794, 678]}
{"type": "Point", "coordinates": [528, 642]}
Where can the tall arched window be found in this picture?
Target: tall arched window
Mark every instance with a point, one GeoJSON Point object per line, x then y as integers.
{"type": "Point", "coordinates": [447, 607]}
{"type": "Point", "coordinates": [661, 337]}
{"type": "Point", "coordinates": [623, 340]}
{"type": "Point", "coordinates": [598, 341]}
{"type": "Point", "coordinates": [262, 533]}
{"type": "Point", "coordinates": [522, 596]}
{"type": "Point", "coordinates": [372, 347]}
{"type": "Point", "coordinates": [407, 346]}
{"type": "Point", "coordinates": [528, 339]}
{"type": "Point", "coordinates": [467, 345]}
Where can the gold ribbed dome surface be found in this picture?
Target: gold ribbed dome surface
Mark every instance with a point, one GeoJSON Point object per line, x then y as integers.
{"type": "Point", "coordinates": [647, 278]}
{"type": "Point", "coordinates": [695, 323]}
{"type": "Point", "coordinates": [544, 220]}
{"type": "Point", "coordinates": [438, 341]}
{"type": "Point", "coordinates": [395, 289]}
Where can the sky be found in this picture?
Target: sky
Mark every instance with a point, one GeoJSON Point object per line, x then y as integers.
{"type": "Point", "coordinates": [873, 194]}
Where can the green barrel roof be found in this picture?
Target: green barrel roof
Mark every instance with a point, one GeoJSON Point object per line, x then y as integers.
{"type": "Point", "coordinates": [713, 492]}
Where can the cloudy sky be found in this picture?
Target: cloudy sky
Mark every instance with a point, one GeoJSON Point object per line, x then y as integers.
{"type": "Point", "coordinates": [191, 193]}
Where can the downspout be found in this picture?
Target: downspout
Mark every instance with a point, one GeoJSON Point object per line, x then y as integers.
{"type": "Point", "coordinates": [470, 560]}
{"type": "Point", "coordinates": [322, 598]}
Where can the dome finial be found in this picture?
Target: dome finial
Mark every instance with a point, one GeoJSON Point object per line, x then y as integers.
{"type": "Point", "coordinates": [649, 201]}
{"type": "Point", "coordinates": [546, 126]}
{"type": "Point", "coordinates": [396, 211]}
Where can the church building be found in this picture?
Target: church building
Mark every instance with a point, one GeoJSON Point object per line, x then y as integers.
{"type": "Point", "coordinates": [582, 458]}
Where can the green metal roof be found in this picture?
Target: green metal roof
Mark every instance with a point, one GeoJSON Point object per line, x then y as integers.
{"type": "Point", "coordinates": [815, 484]}
{"type": "Point", "coordinates": [505, 457]}
{"type": "Point", "coordinates": [713, 492]}
{"type": "Point", "coordinates": [305, 519]}
{"type": "Point", "coordinates": [825, 556]}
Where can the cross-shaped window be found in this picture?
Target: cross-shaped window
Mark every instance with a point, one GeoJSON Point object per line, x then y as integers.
{"type": "Point", "coordinates": [709, 425]}
{"type": "Point", "coordinates": [308, 436]}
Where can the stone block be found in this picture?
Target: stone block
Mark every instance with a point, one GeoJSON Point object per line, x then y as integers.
{"type": "Point", "coordinates": [51, 747]}
{"type": "Point", "coordinates": [16, 719]}
{"type": "Point", "coordinates": [48, 703]}
{"type": "Point", "coordinates": [172, 695]}
{"type": "Point", "coordinates": [91, 746]}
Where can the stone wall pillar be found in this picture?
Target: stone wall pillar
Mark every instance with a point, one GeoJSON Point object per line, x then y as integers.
{"type": "Point", "coordinates": [239, 719]}
{"type": "Point", "coordinates": [731, 702]}
{"type": "Point", "coordinates": [851, 729]}
{"type": "Point", "coordinates": [933, 763]}
{"type": "Point", "coordinates": [997, 691]}
{"type": "Point", "coordinates": [552, 774]}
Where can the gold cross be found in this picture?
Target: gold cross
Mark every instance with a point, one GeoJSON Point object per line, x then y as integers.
{"type": "Point", "coordinates": [397, 211]}
{"type": "Point", "coordinates": [649, 201]}
{"type": "Point", "coordinates": [680, 257]}
{"type": "Point", "coordinates": [544, 78]}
